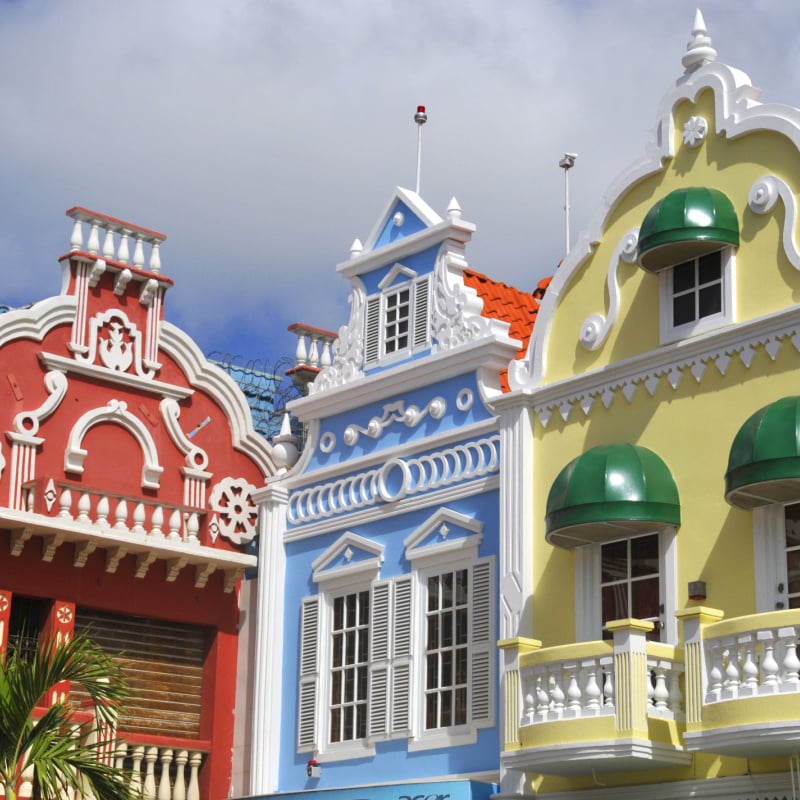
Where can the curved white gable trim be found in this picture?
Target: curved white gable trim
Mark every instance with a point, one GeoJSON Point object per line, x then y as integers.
{"type": "Point", "coordinates": [38, 320]}
{"type": "Point", "coordinates": [117, 413]}
{"type": "Point", "coordinates": [208, 377]}
{"type": "Point", "coordinates": [737, 112]}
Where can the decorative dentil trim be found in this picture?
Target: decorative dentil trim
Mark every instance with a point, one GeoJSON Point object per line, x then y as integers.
{"type": "Point", "coordinates": [395, 480]}
{"type": "Point", "coordinates": [595, 328]}
{"type": "Point", "coordinates": [196, 457]}
{"type": "Point", "coordinates": [117, 413]}
{"type": "Point", "coordinates": [671, 364]}
{"type": "Point", "coordinates": [348, 349]}
{"type": "Point", "coordinates": [410, 416]}
{"type": "Point", "coordinates": [27, 422]}
{"type": "Point", "coordinates": [763, 196]}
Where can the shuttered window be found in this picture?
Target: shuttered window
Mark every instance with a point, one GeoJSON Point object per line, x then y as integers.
{"type": "Point", "coordinates": [163, 663]}
{"type": "Point", "coordinates": [396, 321]}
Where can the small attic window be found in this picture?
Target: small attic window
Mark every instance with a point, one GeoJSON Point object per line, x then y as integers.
{"type": "Point", "coordinates": [396, 321]}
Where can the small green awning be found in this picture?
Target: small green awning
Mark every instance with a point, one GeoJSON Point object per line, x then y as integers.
{"type": "Point", "coordinates": [685, 224]}
{"type": "Point", "coordinates": [764, 462]}
{"type": "Point", "coordinates": [610, 492]}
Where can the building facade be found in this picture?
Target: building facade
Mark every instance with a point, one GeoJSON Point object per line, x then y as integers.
{"type": "Point", "coordinates": [127, 472]}
{"type": "Point", "coordinates": [376, 669]}
{"type": "Point", "coordinates": [662, 382]}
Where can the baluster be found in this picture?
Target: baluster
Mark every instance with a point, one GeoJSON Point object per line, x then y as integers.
{"type": "Point", "coordinates": [192, 528]}
{"type": "Point", "coordinates": [325, 359]}
{"type": "Point", "coordinates": [164, 791]}
{"type": "Point", "coordinates": [155, 258]}
{"type": "Point", "coordinates": [301, 353]}
{"type": "Point", "coordinates": [94, 239]}
{"type": "Point", "coordinates": [179, 789]}
{"type": "Point", "coordinates": [749, 668]}
{"type": "Point", "coordinates": [123, 253]}
{"type": "Point", "coordinates": [121, 516]}
{"type": "Point", "coordinates": [791, 665]}
{"type": "Point", "coordinates": [542, 696]}
{"type": "Point", "coordinates": [156, 522]}
{"type": "Point", "coordinates": [76, 238]}
{"type": "Point", "coordinates": [175, 525]}
{"type": "Point", "coordinates": [108, 244]}
{"type": "Point", "coordinates": [649, 687]}
{"type": "Point", "coordinates": [675, 696]}
{"type": "Point", "coordinates": [556, 694]}
{"type": "Point", "coordinates": [138, 519]}
{"type": "Point", "coordinates": [715, 673]}
{"type": "Point", "coordinates": [120, 755]}
{"type": "Point", "coordinates": [103, 509]}
{"type": "Point", "coordinates": [193, 792]}
{"type": "Point", "coordinates": [769, 666]}
{"type": "Point", "coordinates": [660, 691]}
{"type": "Point", "coordinates": [593, 693]}
{"type": "Point", "coordinates": [149, 788]}
{"type": "Point", "coordinates": [84, 507]}
{"type": "Point", "coordinates": [136, 769]}
{"type": "Point", "coordinates": [65, 504]}
{"type": "Point", "coordinates": [138, 252]}
{"type": "Point", "coordinates": [732, 675]}
{"type": "Point", "coordinates": [574, 690]}
{"type": "Point", "coordinates": [313, 353]}
{"type": "Point", "coordinates": [608, 686]}
{"type": "Point", "coordinates": [528, 708]}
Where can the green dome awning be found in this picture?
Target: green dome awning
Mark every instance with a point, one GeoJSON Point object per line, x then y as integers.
{"type": "Point", "coordinates": [610, 492]}
{"type": "Point", "coordinates": [685, 224]}
{"type": "Point", "coordinates": [764, 462]}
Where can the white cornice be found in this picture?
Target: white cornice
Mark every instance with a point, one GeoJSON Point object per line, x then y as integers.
{"type": "Point", "coordinates": [717, 348]}
{"type": "Point", "coordinates": [488, 355]}
{"type": "Point", "coordinates": [38, 320]}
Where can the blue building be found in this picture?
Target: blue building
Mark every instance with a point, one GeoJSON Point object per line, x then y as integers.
{"type": "Point", "coordinates": [389, 555]}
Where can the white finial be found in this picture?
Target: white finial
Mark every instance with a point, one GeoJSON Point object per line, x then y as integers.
{"type": "Point", "coordinates": [453, 210]}
{"type": "Point", "coordinates": [699, 50]}
{"type": "Point", "coordinates": [356, 248]}
{"type": "Point", "coordinates": [284, 449]}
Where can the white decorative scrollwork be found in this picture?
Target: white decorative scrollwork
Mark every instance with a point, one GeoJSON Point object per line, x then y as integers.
{"type": "Point", "coordinates": [695, 131]}
{"type": "Point", "coordinates": [595, 328]}
{"type": "Point", "coordinates": [27, 422]}
{"type": "Point", "coordinates": [120, 349]}
{"type": "Point", "coordinates": [410, 415]}
{"type": "Point", "coordinates": [763, 195]}
{"type": "Point", "coordinates": [456, 309]}
{"type": "Point", "coordinates": [236, 513]}
{"type": "Point", "coordinates": [196, 457]}
{"type": "Point", "coordinates": [348, 349]}
{"type": "Point", "coordinates": [396, 479]}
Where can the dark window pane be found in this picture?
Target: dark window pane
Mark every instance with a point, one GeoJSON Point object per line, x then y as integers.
{"type": "Point", "coordinates": [349, 686]}
{"type": "Point", "coordinates": [338, 614]}
{"type": "Point", "coordinates": [614, 561]}
{"type": "Point", "coordinates": [362, 683]}
{"type": "Point", "coordinates": [461, 706]}
{"type": "Point", "coordinates": [336, 721]}
{"type": "Point", "coordinates": [336, 688]}
{"type": "Point", "coordinates": [348, 720]}
{"type": "Point", "coordinates": [462, 627]}
{"type": "Point", "coordinates": [337, 649]}
{"type": "Point", "coordinates": [710, 300]}
{"type": "Point", "coordinates": [644, 556]}
{"type": "Point", "coordinates": [363, 614]}
{"type": "Point", "coordinates": [433, 671]}
{"type": "Point", "coordinates": [431, 715]}
{"type": "Point", "coordinates": [447, 668]}
{"type": "Point", "coordinates": [433, 593]}
{"type": "Point", "coordinates": [683, 309]}
{"type": "Point", "coordinates": [683, 277]}
{"type": "Point", "coordinates": [447, 629]}
{"type": "Point", "coordinates": [447, 590]}
{"type": "Point", "coordinates": [793, 525]}
{"type": "Point", "coordinates": [433, 632]}
{"type": "Point", "coordinates": [461, 665]}
{"type": "Point", "coordinates": [645, 601]}
{"type": "Point", "coordinates": [793, 570]}
{"type": "Point", "coordinates": [462, 583]}
{"type": "Point", "coordinates": [710, 268]}
{"type": "Point", "coordinates": [615, 602]}
{"type": "Point", "coordinates": [446, 709]}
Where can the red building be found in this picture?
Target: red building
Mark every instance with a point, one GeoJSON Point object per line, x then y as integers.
{"type": "Point", "coordinates": [126, 473]}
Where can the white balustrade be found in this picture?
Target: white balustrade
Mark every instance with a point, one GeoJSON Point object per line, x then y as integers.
{"type": "Point", "coordinates": [161, 773]}
{"type": "Point", "coordinates": [112, 230]}
{"type": "Point", "coordinates": [314, 346]}
{"type": "Point", "coordinates": [758, 662]}
{"type": "Point", "coordinates": [664, 696]}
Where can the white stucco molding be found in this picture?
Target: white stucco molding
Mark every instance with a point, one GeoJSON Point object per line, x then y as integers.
{"type": "Point", "coordinates": [763, 196]}
{"type": "Point", "coordinates": [195, 456]}
{"type": "Point", "coordinates": [28, 422]}
{"type": "Point", "coordinates": [116, 412]}
{"type": "Point", "coordinates": [38, 320]}
{"type": "Point", "coordinates": [737, 112]}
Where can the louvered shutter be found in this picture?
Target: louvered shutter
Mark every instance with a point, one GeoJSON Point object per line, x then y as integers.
{"type": "Point", "coordinates": [309, 675]}
{"type": "Point", "coordinates": [482, 707]}
{"type": "Point", "coordinates": [379, 643]}
{"type": "Point", "coordinates": [421, 324]}
{"type": "Point", "coordinates": [372, 329]}
{"type": "Point", "coordinates": [401, 657]}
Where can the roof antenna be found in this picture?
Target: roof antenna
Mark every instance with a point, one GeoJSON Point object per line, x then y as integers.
{"type": "Point", "coordinates": [567, 163]}
{"type": "Point", "coordinates": [420, 118]}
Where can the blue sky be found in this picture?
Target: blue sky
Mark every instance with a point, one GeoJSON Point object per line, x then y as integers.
{"type": "Point", "coordinates": [263, 136]}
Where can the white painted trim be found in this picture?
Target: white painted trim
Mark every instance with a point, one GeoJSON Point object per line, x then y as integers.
{"type": "Point", "coordinates": [668, 578]}
{"type": "Point", "coordinates": [397, 270]}
{"type": "Point", "coordinates": [329, 578]}
{"type": "Point", "coordinates": [588, 608]}
{"type": "Point", "coordinates": [769, 557]}
{"type": "Point", "coordinates": [439, 517]}
{"type": "Point", "coordinates": [411, 199]}
{"type": "Point", "coordinates": [38, 320]}
{"type": "Point", "coordinates": [757, 740]}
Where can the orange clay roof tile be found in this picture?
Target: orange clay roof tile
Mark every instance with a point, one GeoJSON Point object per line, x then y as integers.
{"type": "Point", "coordinates": [504, 302]}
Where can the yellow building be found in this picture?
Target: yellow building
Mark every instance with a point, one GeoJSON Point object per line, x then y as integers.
{"type": "Point", "coordinates": [657, 655]}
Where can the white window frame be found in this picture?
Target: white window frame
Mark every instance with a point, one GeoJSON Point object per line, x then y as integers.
{"type": "Point", "coordinates": [671, 333]}
{"type": "Point", "coordinates": [588, 606]}
{"type": "Point", "coordinates": [435, 558]}
{"type": "Point", "coordinates": [398, 279]}
{"type": "Point", "coordinates": [769, 557]}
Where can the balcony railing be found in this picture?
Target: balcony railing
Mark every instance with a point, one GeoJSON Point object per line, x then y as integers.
{"type": "Point", "coordinates": [162, 772]}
